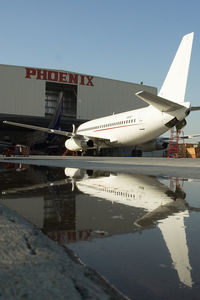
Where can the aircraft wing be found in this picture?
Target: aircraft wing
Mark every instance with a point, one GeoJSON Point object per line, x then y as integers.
{"type": "Point", "coordinates": [150, 219]}
{"type": "Point", "coordinates": [166, 210]}
{"type": "Point", "coordinates": [160, 103]}
{"type": "Point", "coordinates": [34, 187]}
{"type": "Point", "coordinates": [111, 140]}
{"type": "Point", "coordinates": [96, 138]}
{"type": "Point", "coordinates": [48, 130]}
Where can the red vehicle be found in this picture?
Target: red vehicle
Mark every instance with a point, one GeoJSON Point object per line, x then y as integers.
{"type": "Point", "coordinates": [16, 150]}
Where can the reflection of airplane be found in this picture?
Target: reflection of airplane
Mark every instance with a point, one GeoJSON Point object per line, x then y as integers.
{"type": "Point", "coordinates": [166, 207]}
{"type": "Point", "coordinates": [141, 126]}
{"type": "Point", "coordinates": [33, 187]}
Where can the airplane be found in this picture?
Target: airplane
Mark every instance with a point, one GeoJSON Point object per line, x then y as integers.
{"type": "Point", "coordinates": [138, 128]}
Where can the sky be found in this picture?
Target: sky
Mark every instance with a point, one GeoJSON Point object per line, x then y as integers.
{"type": "Point", "coordinates": [125, 40]}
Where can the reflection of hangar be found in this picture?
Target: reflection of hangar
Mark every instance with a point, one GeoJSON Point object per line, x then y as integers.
{"type": "Point", "coordinates": [32, 94]}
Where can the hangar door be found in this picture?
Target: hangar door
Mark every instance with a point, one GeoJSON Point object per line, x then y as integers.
{"type": "Point", "coordinates": [52, 95]}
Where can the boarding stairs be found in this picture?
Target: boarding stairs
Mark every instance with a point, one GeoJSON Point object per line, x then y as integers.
{"type": "Point", "coordinates": [173, 148]}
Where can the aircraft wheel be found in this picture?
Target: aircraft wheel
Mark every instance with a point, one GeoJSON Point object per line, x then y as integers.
{"type": "Point", "coordinates": [136, 153]}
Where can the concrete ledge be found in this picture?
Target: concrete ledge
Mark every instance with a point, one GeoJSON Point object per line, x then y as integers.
{"type": "Point", "coordinates": [34, 267]}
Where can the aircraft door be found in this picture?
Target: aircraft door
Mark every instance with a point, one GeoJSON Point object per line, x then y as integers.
{"type": "Point", "coordinates": [141, 123]}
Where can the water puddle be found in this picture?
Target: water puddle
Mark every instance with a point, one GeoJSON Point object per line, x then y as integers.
{"type": "Point", "coordinates": [140, 232]}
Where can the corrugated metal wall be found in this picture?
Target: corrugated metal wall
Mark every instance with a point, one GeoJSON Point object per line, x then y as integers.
{"type": "Point", "coordinates": [24, 96]}
{"type": "Point", "coordinates": [18, 95]}
{"type": "Point", "coordinates": [108, 96]}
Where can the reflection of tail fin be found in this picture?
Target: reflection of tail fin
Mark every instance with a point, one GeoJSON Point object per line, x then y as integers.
{"type": "Point", "coordinates": [175, 82]}
{"type": "Point", "coordinates": [173, 231]}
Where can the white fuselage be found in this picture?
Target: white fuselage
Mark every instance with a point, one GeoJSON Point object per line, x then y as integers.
{"type": "Point", "coordinates": [129, 128]}
{"type": "Point", "coordinates": [140, 191]}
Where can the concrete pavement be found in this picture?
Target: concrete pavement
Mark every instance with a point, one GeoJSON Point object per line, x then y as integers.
{"type": "Point", "coordinates": [34, 267]}
{"type": "Point", "coordinates": [183, 167]}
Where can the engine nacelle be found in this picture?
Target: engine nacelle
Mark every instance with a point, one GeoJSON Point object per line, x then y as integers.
{"type": "Point", "coordinates": [181, 124]}
{"type": "Point", "coordinates": [72, 172]}
{"type": "Point", "coordinates": [77, 144]}
{"type": "Point", "coordinates": [153, 145]}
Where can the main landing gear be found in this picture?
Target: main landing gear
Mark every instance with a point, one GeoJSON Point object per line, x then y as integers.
{"type": "Point", "coordinates": [136, 153]}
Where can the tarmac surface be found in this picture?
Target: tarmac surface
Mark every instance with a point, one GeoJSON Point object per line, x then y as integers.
{"type": "Point", "coordinates": [34, 267]}
{"type": "Point", "coordinates": [182, 167]}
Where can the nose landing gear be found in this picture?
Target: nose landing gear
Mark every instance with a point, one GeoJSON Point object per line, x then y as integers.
{"type": "Point", "coordinates": [136, 153]}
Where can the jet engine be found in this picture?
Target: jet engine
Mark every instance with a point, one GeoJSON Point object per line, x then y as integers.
{"type": "Point", "coordinates": [181, 124]}
{"type": "Point", "coordinates": [77, 144]}
{"type": "Point", "coordinates": [158, 144]}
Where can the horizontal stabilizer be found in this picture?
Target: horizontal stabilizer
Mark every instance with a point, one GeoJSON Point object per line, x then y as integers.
{"type": "Point", "coordinates": [195, 108]}
{"type": "Point", "coordinates": [167, 139]}
{"type": "Point", "coordinates": [48, 130]}
{"type": "Point", "coordinates": [189, 136]}
{"type": "Point", "coordinates": [160, 103]}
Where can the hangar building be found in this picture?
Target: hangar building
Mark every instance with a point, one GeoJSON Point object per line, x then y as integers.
{"type": "Point", "coordinates": [30, 95]}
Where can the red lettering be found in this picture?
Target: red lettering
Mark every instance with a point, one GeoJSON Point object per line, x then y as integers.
{"type": "Point", "coordinates": [73, 78]}
{"type": "Point", "coordinates": [82, 80]}
{"type": "Point", "coordinates": [80, 234]}
{"type": "Point", "coordinates": [74, 235]}
{"type": "Point", "coordinates": [69, 236]}
{"type": "Point", "coordinates": [88, 233]}
{"type": "Point", "coordinates": [89, 78]}
{"type": "Point", "coordinates": [52, 75]}
{"type": "Point", "coordinates": [59, 76]}
{"type": "Point", "coordinates": [30, 72]}
{"type": "Point", "coordinates": [58, 236]}
{"type": "Point", "coordinates": [41, 74]}
{"type": "Point", "coordinates": [63, 77]}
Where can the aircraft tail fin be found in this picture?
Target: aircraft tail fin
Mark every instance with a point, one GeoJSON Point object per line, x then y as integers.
{"type": "Point", "coordinates": [174, 86]}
